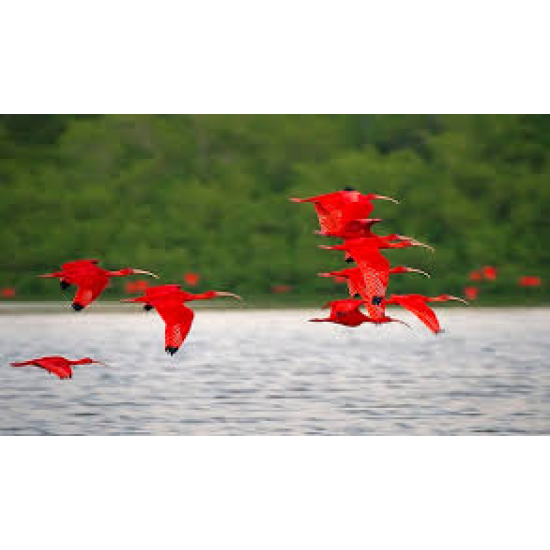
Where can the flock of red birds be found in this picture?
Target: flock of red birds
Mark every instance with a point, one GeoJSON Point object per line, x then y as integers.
{"type": "Point", "coordinates": [342, 214]}
{"type": "Point", "coordinates": [490, 273]}
{"type": "Point", "coordinates": [91, 280]}
{"type": "Point", "coordinates": [345, 214]}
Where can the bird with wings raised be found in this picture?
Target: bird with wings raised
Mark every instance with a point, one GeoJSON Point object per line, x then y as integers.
{"type": "Point", "coordinates": [336, 210]}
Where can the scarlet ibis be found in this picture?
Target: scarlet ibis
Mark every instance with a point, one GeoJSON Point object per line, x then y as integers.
{"type": "Point", "coordinates": [336, 210]}
{"type": "Point", "coordinates": [530, 281]}
{"type": "Point", "coordinates": [8, 292]}
{"type": "Point", "coordinates": [192, 278]}
{"type": "Point", "coordinates": [489, 272]}
{"type": "Point", "coordinates": [90, 279]}
{"type": "Point", "coordinates": [416, 303]}
{"type": "Point", "coordinates": [354, 278]}
{"type": "Point", "coordinates": [374, 268]}
{"type": "Point", "coordinates": [471, 292]}
{"type": "Point", "coordinates": [169, 302]}
{"type": "Point", "coordinates": [347, 313]}
{"type": "Point", "coordinates": [60, 366]}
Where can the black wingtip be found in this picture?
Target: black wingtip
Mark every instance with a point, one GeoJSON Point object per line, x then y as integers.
{"type": "Point", "coordinates": [77, 307]}
{"type": "Point", "coordinates": [64, 285]}
{"type": "Point", "coordinates": [171, 350]}
{"type": "Point", "coordinates": [350, 260]}
{"type": "Point", "coordinates": [147, 307]}
{"type": "Point", "coordinates": [348, 188]}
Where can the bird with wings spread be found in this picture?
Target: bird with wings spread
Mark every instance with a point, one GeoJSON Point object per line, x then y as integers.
{"type": "Point", "coordinates": [169, 302]}
{"type": "Point", "coordinates": [90, 279]}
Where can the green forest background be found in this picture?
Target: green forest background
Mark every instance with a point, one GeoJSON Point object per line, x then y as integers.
{"type": "Point", "coordinates": [209, 194]}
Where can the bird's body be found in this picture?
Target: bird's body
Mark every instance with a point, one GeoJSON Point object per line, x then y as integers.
{"type": "Point", "coordinates": [336, 210]}
{"type": "Point", "coordinates": [169, 303]}
{"type": "Point", "coordinates": [417, 304]}
{"type": "Point", "coordinates": [346, 312]}
{"type": "Point", "coordinates": [60, 366]}
{"type": "Point", "coordinates": [90, 279]}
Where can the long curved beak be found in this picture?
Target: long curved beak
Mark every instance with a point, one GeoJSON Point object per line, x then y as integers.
{"type": "Point", "coordinates": [230, 295]}
{"type": "Point", "coordinates": [386, 198]}
{"type": "Point", "coordinates": [49, 275]}
{"type": "Point", "coordinates": [399, 321]}
{"type": "Point", "coordinates": [457, 299]}
{"type": "Point", "coordinates": [414, 270]}
{"type": "Point", "coordinates": [423, 245]}
{"type": "Point", "coordinates": [319, 320]}
{"type": "Point", "coordinates": [141, 271]}
{"type": "Point", "coordinates": [99, 363]}
{"type": "Point", "coordinates": [325, 275]}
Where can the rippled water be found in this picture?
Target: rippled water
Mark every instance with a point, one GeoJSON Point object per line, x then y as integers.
{"type": "Point", "coordinates": [248, 372]}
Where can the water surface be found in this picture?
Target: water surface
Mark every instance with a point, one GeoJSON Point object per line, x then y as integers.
{"type": "Point", "coordinates": [250, 372]}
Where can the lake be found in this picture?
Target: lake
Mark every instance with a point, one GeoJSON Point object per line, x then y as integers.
{"type": "Point", "coordinates": [270, 372]}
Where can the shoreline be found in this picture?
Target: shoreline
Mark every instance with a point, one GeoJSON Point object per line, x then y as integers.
{"type": "Point", "coordinates": [29, 307]}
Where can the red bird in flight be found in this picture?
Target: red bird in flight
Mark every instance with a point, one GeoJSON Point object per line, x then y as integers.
{"type": "Point", "coordinates": [169, 302]}
{"type": "Point", "coordinates": [90, 279]}
{"type": "Point", "coordinates": [347, 313]}
{"type": "Point", "coordinates": [57, 365]}
{"type": "Point", "coordinates": [417, 304]}
{"type": "Point", "coordinates": [336, 210]}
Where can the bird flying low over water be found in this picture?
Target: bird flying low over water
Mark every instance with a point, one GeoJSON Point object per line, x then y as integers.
{"type": "Point", "coordinates": [57, 365]}
{"type": "Point", "coordinates": [90, 279]}
{"type": "Point", "coordinates": [347, 313]}
{"type": "Point", "coordinates": [374, 268]}
{"type": "Point", "coordinates": [336, 210]}
{"type": "Point", "coordinates": [169, 302]}
{"type": "Point", "coordinates": [417, 304]}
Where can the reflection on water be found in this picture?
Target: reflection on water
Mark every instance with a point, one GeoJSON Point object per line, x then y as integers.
{"type": "Point", "coordinates": [271, 372]}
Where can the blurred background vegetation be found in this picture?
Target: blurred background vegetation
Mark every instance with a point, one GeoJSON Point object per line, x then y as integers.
{"type": "Point", "coordinates": [209, 194]}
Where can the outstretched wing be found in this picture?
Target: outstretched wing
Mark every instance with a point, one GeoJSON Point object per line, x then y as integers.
{"type": "Point", "coordinates": [424, 312]}
{"type": "Point", "coordinates": [372, 289]}
{"type": "Point", "coordinates": [345, 307]}
{"type": "Point", "coordinates": [89, 290]}
{"type": "Point", "coordinates": [51, 366]}
{"type": "Point", "coordinates": [181, 319]}
{"type": "Point", "coordinates": [58, 370]}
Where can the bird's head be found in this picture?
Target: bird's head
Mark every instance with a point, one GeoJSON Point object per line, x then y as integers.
{"type": "Point", "coordinates": [53, 275]}
{"type": "Point", "coordinates": [447, 297]}
{"type": "Point", "coordinates": [87, 361]}
{"type": "Point", "coordinates": [132, 271]}
{"type": "Point", "coordinates": [404, 269]}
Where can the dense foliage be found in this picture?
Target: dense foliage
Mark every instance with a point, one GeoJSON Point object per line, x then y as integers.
{"type": "Point", "coordinates": [209, 194]}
